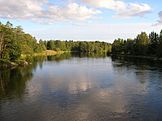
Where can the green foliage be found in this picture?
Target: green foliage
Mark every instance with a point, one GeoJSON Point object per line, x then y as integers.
{"type": "Point", "coordinates": [142, 45]}
{"type": "Point", "coordinates": [153, 37]}
{"type": "Point", "coordinates": [142, 42]}
{"type": "Point", "coordinates": [14, 42]}
{"type": "Point", "coordinates": [159, 50]}
{"type": "Point", "coordinates": [9, 48]}
{"type": "Point", "coordinates": [117, 46]}
{"type": "Point", "coordinates": [79, 46]}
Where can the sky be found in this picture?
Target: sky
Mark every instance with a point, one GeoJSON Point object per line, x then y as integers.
{"type": "Point", "coordinates": [83, 20]}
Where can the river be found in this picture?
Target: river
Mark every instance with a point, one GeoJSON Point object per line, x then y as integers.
{"type": "Point", "coordinates": [82, 88]}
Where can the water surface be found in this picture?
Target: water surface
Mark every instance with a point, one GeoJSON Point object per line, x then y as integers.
{"type": "Point", "coordinates": [67, 88]}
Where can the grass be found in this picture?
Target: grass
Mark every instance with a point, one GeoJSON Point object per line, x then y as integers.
{"type": "Point", "coordinates": [23, 59]}
{"type": "Point", "coordinates": [49, 52]}
{"type": "Point", "coordinates": [44, 53]}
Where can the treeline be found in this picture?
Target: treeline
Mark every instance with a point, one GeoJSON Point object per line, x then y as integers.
{"type": "Point", "coordinates": [14, 42]}
{"type": "Point", "coordinates": [78, 46]}
{"type": "Point", "coordinates": [142, 45]}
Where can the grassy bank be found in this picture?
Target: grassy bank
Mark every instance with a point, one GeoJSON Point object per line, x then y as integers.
{"type": "Point", "coordinates": [44, 53]}
{"type": "Point", "coordinates": [48, 53]}
{"type": "Point", "coordinates": [23, 59]}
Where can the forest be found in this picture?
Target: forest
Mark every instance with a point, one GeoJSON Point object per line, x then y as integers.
{"type": "Point", "coordinates": [78, 46]}
{"type": "Point", "coordinates": [14, 43]}
{"type": "Point", "coordinates": [142, 45]}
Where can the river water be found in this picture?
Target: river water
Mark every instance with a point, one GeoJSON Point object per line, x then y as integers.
{"type": "Point", "coordinates": [81, 88]}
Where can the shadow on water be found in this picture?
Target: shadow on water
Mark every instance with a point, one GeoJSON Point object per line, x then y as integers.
{"type": "Point", "coordinates": [13, 81]}
{"type": "Point", "coordinates": [143, 69]}
{"type": "Point", "coordinates": [59, 57]}
{"type": "Point", "coordinates": [89, 55]}
{"type": "Point", "coordinates": [138, 63]}
{"type": "Point", "coordinates": [69, 55]}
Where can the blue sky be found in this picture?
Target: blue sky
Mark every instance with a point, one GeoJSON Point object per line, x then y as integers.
{"type": "Point", "coordinates": [89, 20]}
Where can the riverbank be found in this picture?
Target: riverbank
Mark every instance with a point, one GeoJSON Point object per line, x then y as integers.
{"type": "Point", "coordinates": [23, 59]}
{"type": "Point", "coordinates": [44, 53]}
{"type": "Point", "coordinates": [153, 58]}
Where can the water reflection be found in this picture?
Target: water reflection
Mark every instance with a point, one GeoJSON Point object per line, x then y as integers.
{"type": "Point", "coordinates": [77, 88]}
{"type": "Point", "coordinates": [13, 81]}
{"type": "Point", "coordinates": [69, 55]}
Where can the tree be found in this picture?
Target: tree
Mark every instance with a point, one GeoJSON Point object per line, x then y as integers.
{"type": "Point", "coordinates": [50, 45]}
{"type": "Point", "coordinates": [129, 46]}
{"type": "Point", "coordinates": [9, 48]}
{"type": "Point", "coordinates": [153, 37]}
{"type": "Point", "coordinates": [83, 46]}
{"type": "Point", "coordinates": [142, 42]}
{"type": "Point", "coordinates": [159, 52]}
{"type": "Point", "coordinates": [117, 46]}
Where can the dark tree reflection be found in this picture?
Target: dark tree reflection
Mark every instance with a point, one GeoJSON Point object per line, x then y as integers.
{"type": "Point", "coordinates": [13, 81]}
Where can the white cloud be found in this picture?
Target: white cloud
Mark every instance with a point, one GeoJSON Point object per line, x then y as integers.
{"type": "Point", "coordinates": [20, 9]}
{"type": "Point", "coordinates": [72, 11]}
{"type": "Point", "coordinates": [122, 8]}
{"type": "Point", "coordinates": [43, 11]}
